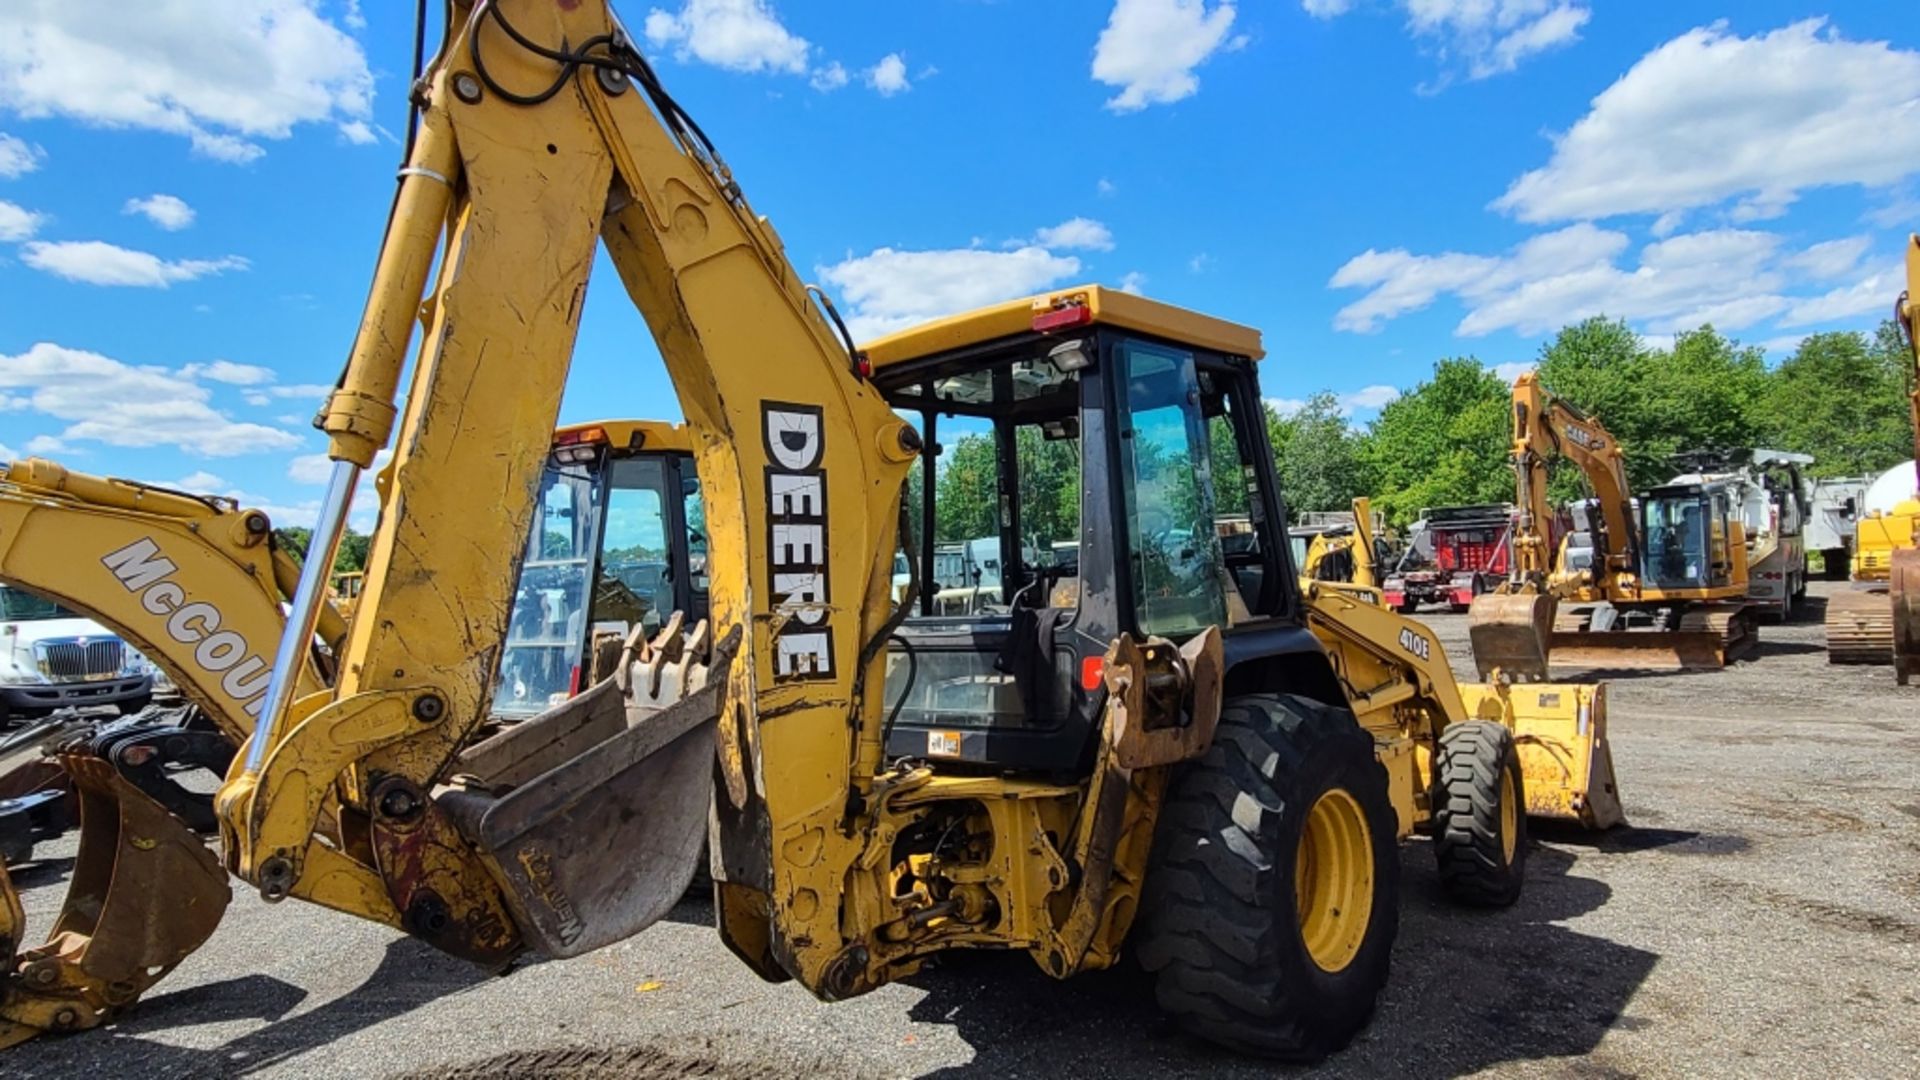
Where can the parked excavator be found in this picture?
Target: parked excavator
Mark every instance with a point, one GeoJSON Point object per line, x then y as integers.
{"type": "Point", "coordinates": [1667, 585]}
{"type": "Point", "coordinates": [1878, 620]}
{"type": "Point", "coordinates": [1167, 737]}
{"type": "Point", "coordinates": [197, 582]}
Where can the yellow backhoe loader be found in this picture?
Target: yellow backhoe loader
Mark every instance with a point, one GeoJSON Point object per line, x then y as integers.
{"type": "Point", "coordinates": [1878, 621]}
{"type": "Point", "coordinates": [1168, 738]}
{"type": "Point", "coordinates": [1667, 583]}
{"type": "Point", "coordinates": [1346, 554]}
{"type": "Point", "coordinates": [196, 584]}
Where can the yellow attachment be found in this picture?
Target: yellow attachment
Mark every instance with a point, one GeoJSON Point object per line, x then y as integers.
{"type": "Point", "coordinates": [1877, 536]}
{"type": "Point", "coordinates": [1098, 306]}
{"type": "Point", "coordinates": [1560, 730]}
{"type": "Point", "coordinates": [1333, 880]}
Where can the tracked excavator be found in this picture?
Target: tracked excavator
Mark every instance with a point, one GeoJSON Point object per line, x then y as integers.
{"type": "Point", "coordinates": [1878, 620]}
{"type": "Point", "coordinates": [1168, 750]}
{"type": "Point", "coordinates": [1667, 585]}
{"type": "Point", "coordinates": [196, 582]}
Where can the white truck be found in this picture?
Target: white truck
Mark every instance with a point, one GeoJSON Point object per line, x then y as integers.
{"type": "Point", "coordinates": [51, 658]}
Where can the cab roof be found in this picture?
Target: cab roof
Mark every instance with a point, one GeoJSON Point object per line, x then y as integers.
{"type": "Point", "coordinates": [1060, 310]}
{"type": "Point", "coordinates": [628, 435]}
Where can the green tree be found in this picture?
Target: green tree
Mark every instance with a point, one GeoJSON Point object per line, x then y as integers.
{"type": "Point", "coordinates": [966, 490]}
{"type": "Point", "coordinates": [351, 557]}
{"type": "Point", "coordinates": [1842, 399]}
{"type": "Point", "coordinates": [1443, 443]}
{"type": "Point", "coordinates": [1318, 455]}
{"type": "Point", "coordinates": [1704, 394]}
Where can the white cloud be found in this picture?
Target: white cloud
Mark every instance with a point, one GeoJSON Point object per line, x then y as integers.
{"type": "Point", "coordinates": [17, 223]}
{"type": "Point", "coordinates": [1832, 259]}
{"type": "Point", "coordinates": [1513, 369]}
{"type": "Point", "coordinates": [199, 481]}
{"type": "Point", "coordinates": [92, 262]}
{"type": "Point", "coordinates": [1105, 186]}
{"type": "Point", "coordinates": [1733, 278]}
{"type": "Point", "coordinates": [889, 76]}
{"type": "Point", "coordinates": [8, 453]}
{"type": "Point", "coordinates": [1483, 38]}
{"type": "Point", "coordinates": [104, 400]}
{"type": "Point", "coordinates": [1150, 49]}
{"type": "Point", "coordinates": [222, 73]}
{"type": "Point", "coordinates": [1784, 344]}
{"type": "Point", "coordinates": [888, 290]}
{"type": "Point", "coordinates": [226, 371]}
{"type": "Point", "coordinates": [18, 157]}
{"type": "Point", "coordinates": [45, 444]}
{"type": "Point", "coordinates": [166, 211]}
{"type": "Point", "coordinates": [310, 469]}
{"type": "Point", "coordinates": [353, 17]}
{"type": "Point", "coordinates": [1199, 263]}
{"type": "Point", "coordinates": [1367, 398]}
{"type": "Point", "coordinates": [738, 35]}
{"type": "Point", "coordinates": [1133, 282]}
{"type": "Point", "coordinates": [1870, 295]}
{"type": "Point", "coordinates": [1710, 116]}
{"type": "Point", "coordinates": [1076, 233]}
{"type": "Point", "coordinates": [829, 78]}
{"type": "Point", "coordinates": [358, 132]}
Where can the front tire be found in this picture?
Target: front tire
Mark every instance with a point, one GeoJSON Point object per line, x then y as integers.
{"type": "Point", "coordinates": [1272, 902]}
{"type": "Point", "coordinates": [1480, 814]}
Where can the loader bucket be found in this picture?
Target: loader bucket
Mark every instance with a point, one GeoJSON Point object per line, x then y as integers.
{"type": "Point", "coordinates": [602, 842]}
{"type": "Point", "coordinates": [1512, 635]}
{"type": "Point", "coordinates": [1566, 762]}
{"type": "Point", "coordinates": [145, 893]}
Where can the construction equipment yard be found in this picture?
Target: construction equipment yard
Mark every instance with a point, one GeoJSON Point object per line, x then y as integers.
{"type": "Point", "coordinates": [1759, 915]}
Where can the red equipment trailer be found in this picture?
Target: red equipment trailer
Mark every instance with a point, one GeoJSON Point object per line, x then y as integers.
{"type": "Point", "coordinates": [1465, 554]}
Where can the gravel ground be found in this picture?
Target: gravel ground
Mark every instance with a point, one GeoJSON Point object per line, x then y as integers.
{"type": "Point", "coordinates": [1760, 916]}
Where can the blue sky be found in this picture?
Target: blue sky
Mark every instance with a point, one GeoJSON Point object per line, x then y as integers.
{"type": "Point", "coordinates": [192, 194]}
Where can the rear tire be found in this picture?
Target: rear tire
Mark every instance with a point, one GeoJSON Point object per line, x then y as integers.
{"type": "Point", "coordinates": [1271, 906]}
{"type": "Point", "coordinates": [1480, 814]}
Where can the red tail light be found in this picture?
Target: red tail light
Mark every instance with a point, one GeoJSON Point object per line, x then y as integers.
{"type": "Point", "coordinates": [1062, 318]}
{"type": "Point", "coordinates": [1093, 671]}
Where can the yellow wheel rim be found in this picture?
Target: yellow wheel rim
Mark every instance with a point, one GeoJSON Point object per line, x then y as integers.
{"type": "Point", "coordinates": [1333, 880]}
{"type": "Point", "coordinates": [1509, 816]}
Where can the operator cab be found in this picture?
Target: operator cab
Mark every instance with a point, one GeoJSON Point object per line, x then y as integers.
{"type": "Point", "coordinates": [1686, 531]}
{"type": "Point", "coordinates": [1097, 462]}
{"type": "Point", "coordinates": [616, 542]}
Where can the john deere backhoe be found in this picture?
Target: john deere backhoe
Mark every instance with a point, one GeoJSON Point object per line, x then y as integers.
{"type": "Point", "coordinates": [1171, 738]}
{"type": "Point", "coordinates": [1879, 620]}
{"type": "Point", "coordinates": [196, 583]}
{"type": "Point", "coordinates": [1667, 587]}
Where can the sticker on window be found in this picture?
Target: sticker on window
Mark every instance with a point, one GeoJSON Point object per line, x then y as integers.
{"type": "Point", "coordinates": [943, 744]}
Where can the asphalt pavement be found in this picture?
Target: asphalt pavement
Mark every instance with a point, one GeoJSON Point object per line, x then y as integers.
{"type": "Point", "coordinates": [1760, 916]}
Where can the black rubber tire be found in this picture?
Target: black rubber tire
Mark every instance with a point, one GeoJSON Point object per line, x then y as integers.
{"type": "Point", "coordinates": [1220, 928]}
{"type": "Point", "coordinates": [1474, 868]}
{"type": "Point", "coordinates": [1407, 607]}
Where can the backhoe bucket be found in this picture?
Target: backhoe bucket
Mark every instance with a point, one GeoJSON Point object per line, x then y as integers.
{"type": "Point", "coordinates": [1903, 581]}
{"type": "Point", "coordinates": [1560, 729]}
{"type": "Point", "coordinates": [145, 893]}
{"type": "Point", "coordinates": [1512, 634]}
{"type": "Point", "coordinates": [593, 813]}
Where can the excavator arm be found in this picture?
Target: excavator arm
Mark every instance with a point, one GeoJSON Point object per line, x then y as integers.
{"type": "Point", "coordinates": [1512, 627]}
{"type": "Point", "coordinates": [1546, 427]}
{"type": "Point", "coordinates": [543, 134]}
{"type": "Point", "coordinates": [1904, 568]}
{"type": "Point", "coordinates": [195, 584]}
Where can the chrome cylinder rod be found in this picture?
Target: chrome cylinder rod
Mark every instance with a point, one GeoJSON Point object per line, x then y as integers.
{"type": "Point", "coordinates": [296, 641]}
